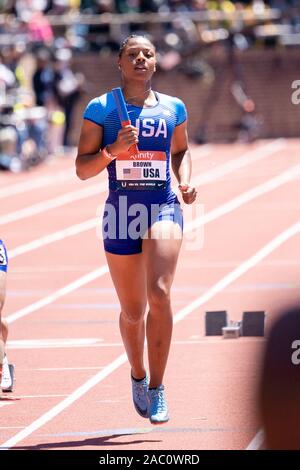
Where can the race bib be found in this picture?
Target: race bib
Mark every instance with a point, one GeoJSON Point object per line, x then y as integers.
{"type": "Point", "coordinates": [3, 258]}
{"type": "Point", "coordinates": [145, 170]}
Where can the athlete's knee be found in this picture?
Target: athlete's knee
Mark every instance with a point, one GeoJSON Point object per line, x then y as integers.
{"type": "Point", "coordinates": [133, 313]}
{"type": "Point", "coordinates": [159, 294]}
{"type": "Point", "coordinates": [1, 302]}
{"type": "Point", "coordinates": [2, 289]}
{"type": "Point", "coordinates": [3, 329]}
{"type": "Point", "coordinates": [4, 326]}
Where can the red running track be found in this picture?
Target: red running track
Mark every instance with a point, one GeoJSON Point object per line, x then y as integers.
{"type": "Point", "coordinates": [72, 376]}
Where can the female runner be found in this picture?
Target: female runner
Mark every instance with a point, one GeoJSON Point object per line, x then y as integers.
{"type": "Point", "coordinates": [142, 224]}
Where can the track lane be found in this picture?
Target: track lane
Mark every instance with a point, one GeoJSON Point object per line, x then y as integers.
{"type": "Point", "coordinates": [182, 432]}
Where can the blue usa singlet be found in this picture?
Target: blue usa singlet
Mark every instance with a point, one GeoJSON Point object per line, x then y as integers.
{"type": "Point", "coordinates": [142, 179]}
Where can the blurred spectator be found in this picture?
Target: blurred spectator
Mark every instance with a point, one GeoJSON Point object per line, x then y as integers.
{"type": "Point", "coordinates": [127, 6]}
{"type": "Point", "coordinates": [60, 7]}
{"type": "Point", "coordinates": [8, 135]}
{"type": "Point", "coordinates": [38, 27]}
{"type": "Point", "coordinates": [68, 87]}
{"type": "Point", "coordinates": [23, 129]}
{"type": "Point", "coordinates": [12, 57]}
{"type": "Point", "coordinates": [22, 125]}
{"type": "Point", "coordinates": [152, 6]}
{"type": "Point", "coordinates": [249, 125]}
{"type": "Point", "coordinates": [44, 80]}
{"type": "Point", "coordinates": [7, 77]}
{"type": "Point", "coordinates": [32, 124]}
{"type": "Point", "coordinates": [179, 41]}
{"type": "Point", "coordinates": [279, 390]}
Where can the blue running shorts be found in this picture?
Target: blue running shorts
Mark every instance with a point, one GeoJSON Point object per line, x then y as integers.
{"type": "Point", "coordinates": [124, 226]}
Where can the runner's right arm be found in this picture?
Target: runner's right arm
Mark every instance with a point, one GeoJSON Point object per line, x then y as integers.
{"type": "Point", "coordinates": [91, 160]}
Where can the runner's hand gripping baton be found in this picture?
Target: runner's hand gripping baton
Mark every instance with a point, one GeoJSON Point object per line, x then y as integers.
{"type": "Point", "coordinates": [123, 113]}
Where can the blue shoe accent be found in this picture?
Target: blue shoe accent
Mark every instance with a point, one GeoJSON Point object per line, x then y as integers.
{"type": "Point", "coordinates": [157, 406]}
{"type": "Point", "coordinates": [139, 396]}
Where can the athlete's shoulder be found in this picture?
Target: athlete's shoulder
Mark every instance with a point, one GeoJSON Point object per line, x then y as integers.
{"type": "Point", "coordinates": [107, 100]}
{"type": "Point", "coordinates": [176, 105]}
{"type": "Point", "coordinates": [168, 99]}
{"type": "Point", "coordinates": [98, 108]}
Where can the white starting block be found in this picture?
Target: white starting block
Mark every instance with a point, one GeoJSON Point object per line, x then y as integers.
{"type": "Point", "coordinates": [232, 330]}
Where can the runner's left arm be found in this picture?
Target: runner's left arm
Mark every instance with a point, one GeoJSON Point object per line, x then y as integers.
{"type": "Point", "coordinates": [181, 157]}
{"type": "Point", "coordinates": [182, 163]}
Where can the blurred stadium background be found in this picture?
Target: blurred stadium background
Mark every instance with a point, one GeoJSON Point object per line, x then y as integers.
{"type": "Point", "coordinates": [233, 63]}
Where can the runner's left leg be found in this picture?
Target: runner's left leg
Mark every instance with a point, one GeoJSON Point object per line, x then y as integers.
{"type": "Point", "coordinates": [161, 255]}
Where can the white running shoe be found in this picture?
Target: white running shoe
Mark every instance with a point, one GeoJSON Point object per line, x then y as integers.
{"type": "Point", "coordinates": [7, 382]}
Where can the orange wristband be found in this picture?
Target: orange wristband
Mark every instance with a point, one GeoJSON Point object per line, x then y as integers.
{"type": "Point", "coordinates": [108, 155]}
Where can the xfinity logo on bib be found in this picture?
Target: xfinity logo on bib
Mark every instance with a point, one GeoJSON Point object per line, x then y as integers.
{"type": "Point", "coordinates": [146, 127]}
{"type": "Point", "coordinates": [147, 155]}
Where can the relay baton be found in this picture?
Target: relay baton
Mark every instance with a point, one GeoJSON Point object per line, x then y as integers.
{"type": "Point", "coordinates": [123, 113]}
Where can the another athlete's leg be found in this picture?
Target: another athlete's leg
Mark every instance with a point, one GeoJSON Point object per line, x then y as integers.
{"type": "Point", "coordinates": [3, 332]}
{"type": "Point", "coordinates": [7, 370]}
{"type": "Point", "coordinates": [161, 257]}
{"type": "Point", "coordinates": [128, 275]}
{"type": "Point", "coordinates": [4, 327]}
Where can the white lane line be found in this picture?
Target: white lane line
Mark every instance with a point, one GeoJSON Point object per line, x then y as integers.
{"type": "Point", "coordinates": [122, 359]}
{"type": "Point", "coordinates": [48, 204]}
{"type": "Point", "coordinates": [52, 343]}
{"type": "Point", "coordinates": [237, 163]}
{"type": "Point", "coordinates": [11, 427]}
{"type": "Point", "coordinates": [62, 344]}
{"type": "Point", "coordinates": [210, 216]}
{"type": "Point", "coordinates": [42, 182]}
{"type": "Point", "coordinates": [203, 152]}
{"type": "Point", "coordinates": [92, 343]}
{"type": "Point", "coordinates": [240, 270]}
{"type": "Point", "coordinates": [21, 272]}
{"type": "Point", "coordinates": [79, 392]}
{"type": "Point", "coordinates": [54, 237]}
{"type": "Point", "coordinates": [207, 177]}
{"type": "Point", "coordinates": [105, 432]}
{"type": "Point", "coordinates": [59, 293]}
{"type": "Point", "coordinates": [264, 188]}
{"type": "Point", "coordinates": [257, 441]}
{"type": "Point", "coordinates": [234, 203]}
{"type": "Point", "coordinates": [42, 396]}
{"type": "Point", "coordinates": [58, 369]}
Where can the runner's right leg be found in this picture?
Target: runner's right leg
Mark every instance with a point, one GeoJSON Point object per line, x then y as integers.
{"type": "Point", "coordinates": [128, 275]}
